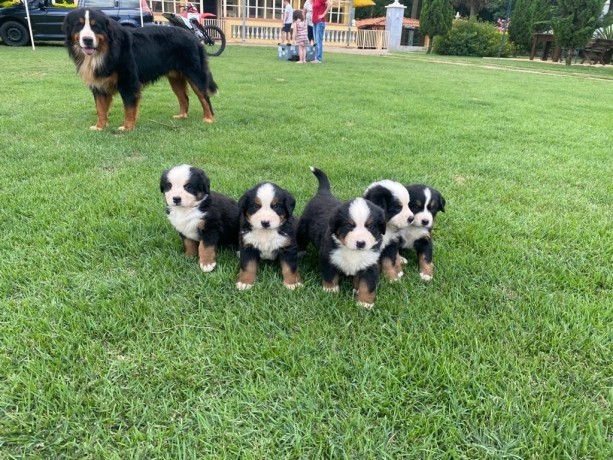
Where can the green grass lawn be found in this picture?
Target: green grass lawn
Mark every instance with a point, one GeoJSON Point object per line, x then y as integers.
{"type": "Point", "coordinates": [115, 345]}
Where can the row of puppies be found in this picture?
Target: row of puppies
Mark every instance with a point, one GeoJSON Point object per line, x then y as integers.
{"type": "Point", "coordinates": [356, 238]}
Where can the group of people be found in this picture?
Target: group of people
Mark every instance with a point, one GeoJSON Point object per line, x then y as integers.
{"type": "Point", "coordinates": [308, 27]}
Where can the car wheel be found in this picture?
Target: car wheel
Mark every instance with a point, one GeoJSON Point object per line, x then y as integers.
{"type": "Point", "coordinates": [13, 33]}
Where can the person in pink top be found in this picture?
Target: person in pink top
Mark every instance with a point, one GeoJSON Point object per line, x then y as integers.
{"type": "Point", "coordinates": [320, 11]}
{"type": "Point", "coordinates": [301, 36]}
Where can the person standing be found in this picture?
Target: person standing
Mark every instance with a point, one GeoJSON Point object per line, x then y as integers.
{"type": "Point", "coordinates": [308, 16]}
{"type": "Point", "coordinates": [300, 35]}
{"type": "Point", "coordinates": [320, 11]}
{"type": "Point", "coordinates": [286, 31]}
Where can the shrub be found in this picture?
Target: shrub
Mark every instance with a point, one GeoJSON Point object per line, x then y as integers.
{"type": "Point", "coordinates": [469, 37]}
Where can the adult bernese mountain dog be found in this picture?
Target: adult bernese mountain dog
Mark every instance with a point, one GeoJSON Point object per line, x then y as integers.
{"type": "Point", "coordinates": [347, 236]}
{"type": "Point", "coordinates": [204, 219]}
{"type": "Point", "coordinates": [267, 232]}
{"type": "Point", "coordinates": [112, 59]}
{"type": "Point", "coordinates": [425, 204]}
{"type": "Point", "coordinates": [393, 198]}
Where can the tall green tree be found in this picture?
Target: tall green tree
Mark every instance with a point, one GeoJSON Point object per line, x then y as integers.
{"type": "Point", "coordinates": [473, 6]}
{"type": "Point", "coordinates": [528, 17]}
{"type": "Point", "coordinates": [435, 19]}
{"type": "Point", "coordinates": [575, 23]}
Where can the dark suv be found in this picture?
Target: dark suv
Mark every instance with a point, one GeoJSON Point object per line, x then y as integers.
{"type": "Point", "coordinates": [47, 18]}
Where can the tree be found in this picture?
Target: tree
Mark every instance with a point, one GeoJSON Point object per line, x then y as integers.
{"type": "Point", "coordinates": [435, 19]}
{"type": "Point", "coordinates": [473, 6]}
{"type": "Point", "coordinates": [528, 17]}
{"type": "Point", "coordinates": [575, 23]}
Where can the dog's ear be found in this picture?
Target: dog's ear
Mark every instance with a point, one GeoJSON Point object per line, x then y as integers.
{"type": "Point", "coordinates": [164, 181]}
{"type": "Point", "coordinates": [243, 202]}
{"type": "Point", "coordinates": [379, 196]}
{"type": "Point", "coordinates": [289, 203]}
{"type": "Point", "coordinates": [379, 217]}
{"type": "Point", "coordinates": [200, 181]}
{"type": "Point", "coordinates": [441, 202]}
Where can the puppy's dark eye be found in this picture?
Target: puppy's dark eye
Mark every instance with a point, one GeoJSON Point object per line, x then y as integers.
{"type": "Point", "coordinates": [277, 207]}
{"type": "Point", "coordinates": [190, 188]}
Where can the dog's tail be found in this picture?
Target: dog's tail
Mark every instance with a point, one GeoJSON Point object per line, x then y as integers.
{"type": "Point", "coordinates": [324, 183]}
{"type": "Point", "coordinates": [211, 86]}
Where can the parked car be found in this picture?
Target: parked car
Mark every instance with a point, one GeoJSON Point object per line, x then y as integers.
{"type": "Point", "coordinates": [47, 18]}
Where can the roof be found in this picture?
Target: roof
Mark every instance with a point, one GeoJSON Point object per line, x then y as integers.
{"type": "Point", "coordinates": [380, 22]}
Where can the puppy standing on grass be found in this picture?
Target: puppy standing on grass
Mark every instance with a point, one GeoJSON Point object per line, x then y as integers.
{"type": "Point", "coordinates": [425, 203]}
{"type": "Point", "coordinates": [393, 198]}
{"type": "Point", "coordinates": [348, 238]}
{"type": "Point", "coordinates": [267, 232]}
{"type": "Point", "coordinates": [204, 219]}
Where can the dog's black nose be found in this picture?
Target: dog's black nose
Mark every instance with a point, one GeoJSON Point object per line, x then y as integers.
{"type": "Point", "coordinates": [266, 223]}
{"type": "Point", "coordinates": [176, 199]}
{"type": "Point", "coordinates": [411, 218]}
{"type": "Point", "coordinates": [360, 244]}
{"type": "Point", "coordinates": [425, 222]}
{"type": "Point", "coordinates": [88, 42]}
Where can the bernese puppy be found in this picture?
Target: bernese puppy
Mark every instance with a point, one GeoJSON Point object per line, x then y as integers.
{"type": "Point", "coordinates": [347, 236]}
{"type": "Point", "coordinates": [204, 219]}
{"type": "Point", "coordinates": [267, 232]}
{"type": "Point", "coordinates": [425, 203]}
{"type": "Point", "coordinates": [393, 198]}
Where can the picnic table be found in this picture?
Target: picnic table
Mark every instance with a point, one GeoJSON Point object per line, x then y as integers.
{"type": "Point", "coordinates": [548, 39]}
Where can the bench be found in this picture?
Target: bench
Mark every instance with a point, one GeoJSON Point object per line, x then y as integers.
{"type": "Point", "coordinates": [597, 51]}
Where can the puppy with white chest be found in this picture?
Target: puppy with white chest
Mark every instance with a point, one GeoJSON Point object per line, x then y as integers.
{"type": "Point", "coordinates": [267, 232]}
{"type": "Point", "coordinates": [425, 203]}
{"type": "Point", "coordinates": [204, 219]}
{"type": "Point", "coordinates": [348, 238]}
{"type": "Point", "coordinates": [394, 199]}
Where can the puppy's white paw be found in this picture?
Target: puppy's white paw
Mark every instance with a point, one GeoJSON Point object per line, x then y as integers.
{"type": "Point", "coordinates": [208, 267]}
{"type": "Point", "coordinates": [366, 305]}
{"type": "Point", "coordinates": [291, 287]}
{"type": "Point", "coordinates": [95, 128]}
{"type": "Point", "coordinates": [425, 277]}
{"type": "Point", "coordinates": [243, 286]}
{"type": "Point", "coordinates": [403, 260]}
{"type": "Point", "coordinates": [331, 289]}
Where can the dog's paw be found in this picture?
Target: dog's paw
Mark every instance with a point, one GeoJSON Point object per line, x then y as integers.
{"type": "Point", "coordinates": [331, 289]}
{"type": "Point", "coordinates": [95, 128]}
{"type": "Point", "coordinates": [425, 277]}
{"type": "Point", "coordinates": [208, 267]}
{"type": "Point", "coordinates": [399, 275]}
{"type": "Point", "coordinates": [243, 286]}
{"type": "Point", "coordinates": [403, 260]}
{"type": "Point", "coordinates": [208, 120]}
{"type": "Point", "coordinates": [291, 287]}
{"type": "Point", "coordinates": [366, 305]}
{"type": "Point", "coordinates": [180, 116]}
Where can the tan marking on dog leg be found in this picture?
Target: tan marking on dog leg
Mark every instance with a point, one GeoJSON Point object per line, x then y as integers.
{"type": "Point", "coordinates": [103, 105]}
{"type": "Point", "coordinates": [179, 86]}
{"type": "Point", "coordinates": [331, 286]}
{"type": "Point", "coordinates": [207, 257]}
{"type": "Point", "coordinates": [389, 269]}
{"type": "Point", "coordinates": [291, 279]}
{"type": "Point", "coordinates": [191, 247]}
{"type": "Point", "coordinates": [365, 298]}
{"type": "Point", "coordinates": [426, 269]}
{"type": "Point", "coordinates": [129, 118]}
{"type": "Point", "coordinates": [206, 107]}
{"type": "Point", "coordinates": [246, 278]}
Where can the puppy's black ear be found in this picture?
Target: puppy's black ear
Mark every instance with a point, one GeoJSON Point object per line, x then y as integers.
{"type": "Point", "coordinates": [290, 203]}
{"type": "Point", "coordinates": [441, 202]}
{"type": "Point", "coordinates": [200, 181]}
{"type": "Point", "coordinates": [243, 202]}
{"type": "Point", "coordinates": [379, 196]}
{"type": "Point", "coordinates": [379, 215]}
{"type": "Point", "coordinates": [164, 181]}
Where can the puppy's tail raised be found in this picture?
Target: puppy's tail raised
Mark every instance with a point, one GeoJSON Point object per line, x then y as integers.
{"type": "Point", "coordinates": [324, 183]}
